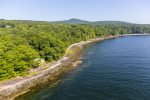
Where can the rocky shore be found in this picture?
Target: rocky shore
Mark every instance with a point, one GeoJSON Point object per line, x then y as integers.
{"type": "Point", "coordinates": [13, 88]}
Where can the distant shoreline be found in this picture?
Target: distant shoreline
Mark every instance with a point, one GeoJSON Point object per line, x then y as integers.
{"type": "Point", "coordinates": [135, 34]}
{"type": "Point", "coordinates": [11, 89]}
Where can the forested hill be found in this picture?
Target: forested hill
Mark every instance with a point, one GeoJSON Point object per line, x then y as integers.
{"type": "Point", "coordinates": [23, 43]}
{"type": "Point", "coordinates": [73, 21]}
{"type": "Point", "coordinates": [78, 21]}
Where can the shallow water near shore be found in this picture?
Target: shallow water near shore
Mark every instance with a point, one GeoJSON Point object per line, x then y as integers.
{"type": "Point", "coordinates": [114, 69]}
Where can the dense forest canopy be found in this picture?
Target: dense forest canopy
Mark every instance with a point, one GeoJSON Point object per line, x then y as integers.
{"type": "Point", "coordinates": [22, 42]}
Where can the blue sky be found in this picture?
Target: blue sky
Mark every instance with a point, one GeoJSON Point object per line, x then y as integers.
{"type": "Point", "coordinates": [136, 11]}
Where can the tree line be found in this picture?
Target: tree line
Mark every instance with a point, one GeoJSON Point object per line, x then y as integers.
{"type": "Point", "coordinates": [22, 42]}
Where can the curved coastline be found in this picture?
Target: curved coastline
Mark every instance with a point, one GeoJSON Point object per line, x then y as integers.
{"type": "Point", "coordinates": [11, 89]}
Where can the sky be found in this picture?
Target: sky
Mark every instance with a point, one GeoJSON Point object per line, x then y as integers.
{"type": "Point", "coordinates": [135, 11]}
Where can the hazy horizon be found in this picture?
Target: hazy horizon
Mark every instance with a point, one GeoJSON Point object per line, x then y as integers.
{"type": "Point", "coordinates": [67, 20]}
{"type": "Point", "coordinates": [133, 11]}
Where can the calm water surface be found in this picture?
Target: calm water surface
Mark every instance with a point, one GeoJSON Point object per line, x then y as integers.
{"type": "Point", "coordinates": [115, 69]}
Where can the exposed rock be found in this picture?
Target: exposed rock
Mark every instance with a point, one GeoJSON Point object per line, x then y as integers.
{"type": "Point", "coordinates": [11, 89]}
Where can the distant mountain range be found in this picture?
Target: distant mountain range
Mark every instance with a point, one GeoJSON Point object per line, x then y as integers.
{"type": "Point", "coordinates": [78, 21]}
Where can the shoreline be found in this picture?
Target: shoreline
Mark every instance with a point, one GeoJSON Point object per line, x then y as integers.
{"type": "Point", "coordinates": [144, 34]}
{"type": "Point", "coordinates": [11, 89]}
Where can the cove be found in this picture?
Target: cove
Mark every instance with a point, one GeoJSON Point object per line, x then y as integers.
{"type": "Point", "coordinates": [114, 69]}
